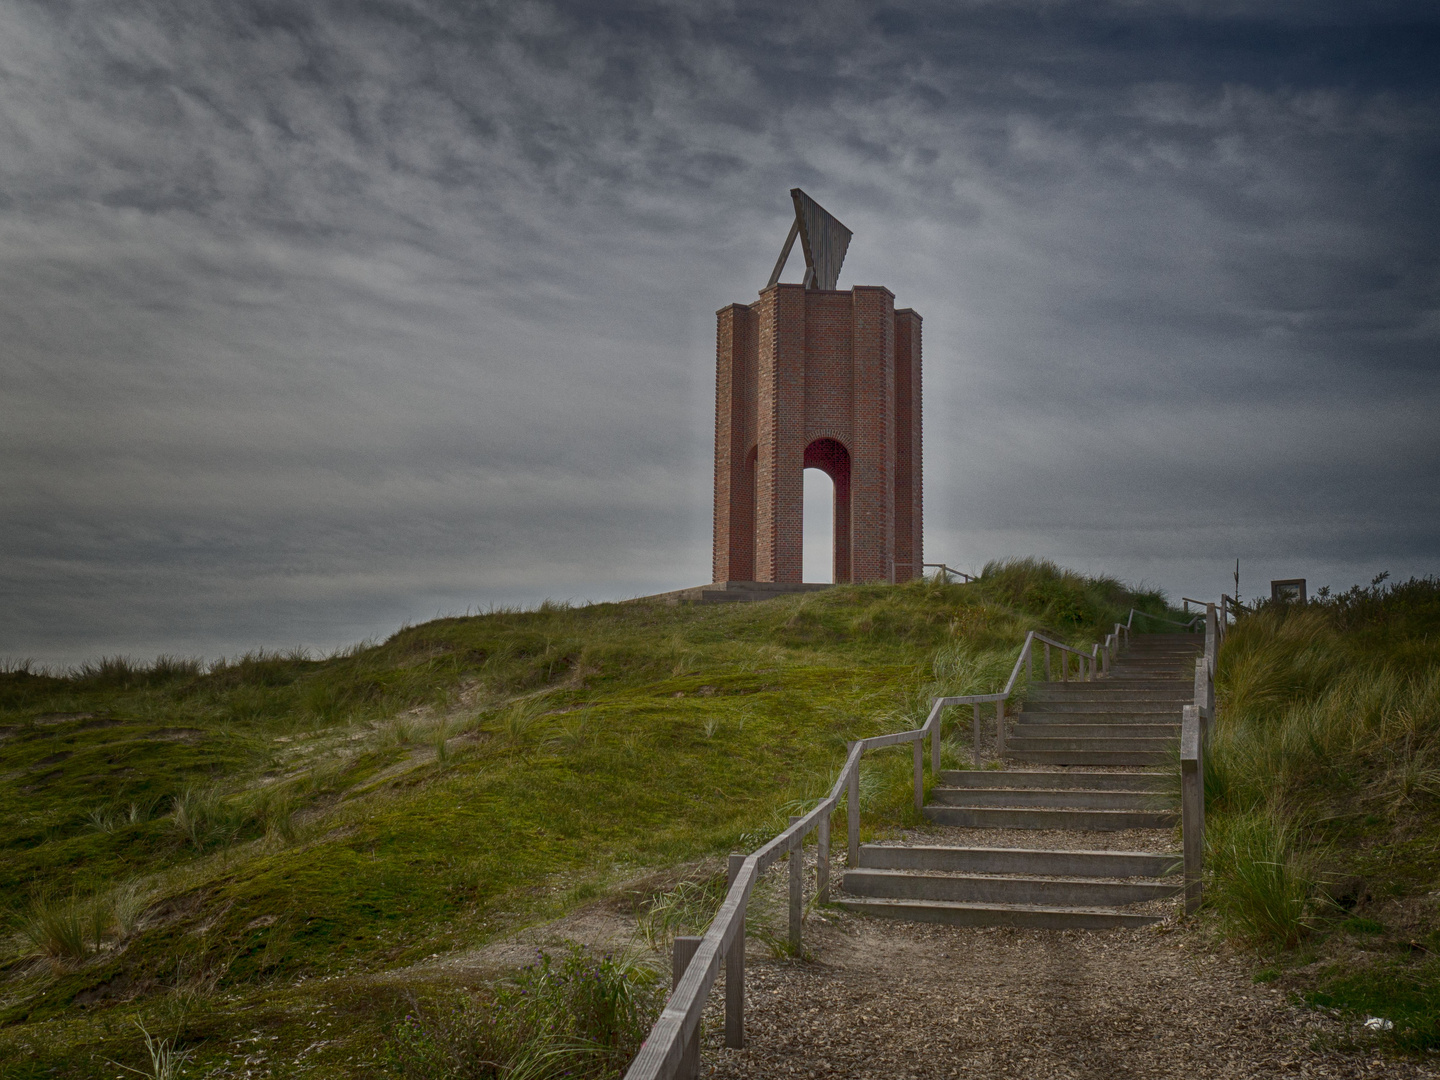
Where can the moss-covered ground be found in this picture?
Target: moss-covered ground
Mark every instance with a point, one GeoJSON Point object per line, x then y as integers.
{"type": "Point", "coordinates": [243, 854]}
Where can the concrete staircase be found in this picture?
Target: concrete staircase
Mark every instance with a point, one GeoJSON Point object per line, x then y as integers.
{"type": "Point", "coordinates": [1098, 746]}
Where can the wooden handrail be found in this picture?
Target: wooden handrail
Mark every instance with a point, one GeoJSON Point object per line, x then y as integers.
{"type": "Point", "coordinates": [663, 1056]}
{"type": "Point", "coordinates": [1189, 623]}
{"type": "Point", "coordinates": [1196, 723]}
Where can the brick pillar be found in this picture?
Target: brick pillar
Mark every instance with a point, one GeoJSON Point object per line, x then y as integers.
{"type": "Point", "coordinates": [780, 427]}
{"type": "Point", "coordinates": [734, 438]}
{"type": "Point", "coordinates": [909, 519]}
{"type": "Point", "coordinates": [872, 476]}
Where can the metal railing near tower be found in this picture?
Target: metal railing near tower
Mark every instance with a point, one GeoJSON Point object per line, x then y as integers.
{"type": "Point", "coordinates": [672, 1048]}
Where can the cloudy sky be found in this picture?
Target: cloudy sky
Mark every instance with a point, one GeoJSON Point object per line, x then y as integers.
{"type": "Point", "coordinates": [316, 318]}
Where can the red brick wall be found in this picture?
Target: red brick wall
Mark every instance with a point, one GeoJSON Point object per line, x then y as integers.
{"type": "Point", "coordinates": [798, 372]}
{"type": "Point", "coordinates": [909, 491]}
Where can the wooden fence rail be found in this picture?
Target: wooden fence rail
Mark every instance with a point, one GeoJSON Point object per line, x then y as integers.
{"type": "Point", "coordinates": [1197, 721]}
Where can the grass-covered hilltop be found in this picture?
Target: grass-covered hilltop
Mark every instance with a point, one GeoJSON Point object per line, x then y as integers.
{"type": "Point", "coordinates": [255, 853]}
{"type": "Point", "coordinates": [276, 866]}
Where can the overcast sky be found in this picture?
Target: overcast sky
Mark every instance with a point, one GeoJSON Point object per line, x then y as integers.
{"type": "Point", "coordinates": [316, 318]}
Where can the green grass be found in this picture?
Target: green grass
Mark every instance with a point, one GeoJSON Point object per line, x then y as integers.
{"type": "Point", "coordinates": [265, 845]}
{"type": "Point", "coordinates": [1323, 794]}
{"type": "Point", "coordinates": [580, 1016]}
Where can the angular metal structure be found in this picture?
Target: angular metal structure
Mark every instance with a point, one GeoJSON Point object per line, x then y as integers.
{"type": "Point", "coordinates": [823, 239]}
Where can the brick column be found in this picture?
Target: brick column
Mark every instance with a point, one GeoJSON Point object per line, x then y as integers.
{"type": "Point", "coordinates": [780, 427]}
{"type": "Point", "coordinates": [872, 477]}
{"type": "Point", "coordinates": [909, 492]}
{"type": "Point", "coordinates": [734, 426]}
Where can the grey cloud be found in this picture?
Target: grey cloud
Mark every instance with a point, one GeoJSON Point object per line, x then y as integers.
{"type": "Point", "coordinates": [316, 318]}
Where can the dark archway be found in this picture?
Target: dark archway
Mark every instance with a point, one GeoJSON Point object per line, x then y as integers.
{"type": "Point", "coordinates": [830, 457]}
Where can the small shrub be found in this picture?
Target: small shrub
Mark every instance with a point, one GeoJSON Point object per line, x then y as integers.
{"type": "Point", "coordinates": [273, 809]}
{"type": "Point", "coordinates": [127, 904]}
{"type": "Point", "coordinates": [689, 907]}
{"type": "Point", "coordinates": [139, 811]}
{"type": "Point", "coordinates": [104, 819]}
{"type": "Point", "coordinates": [522, 722]}
{"type": "Point", "coordinates": [65, 927]}
{"type": "Point", "coordinates": [580, 1016]}
{"type": "Point", "coordinates": [398, 733]}
{"type": "Point", "coordinates": [202, 817]}
{"type": "Point", "coordinates": [965, 669]}
{"type": "Point", "coordinates": [166, 1062]}
{"type": "Point", "coordinates": [573, 736]}
{"type": "Point", "coordinates": [1261, 887]}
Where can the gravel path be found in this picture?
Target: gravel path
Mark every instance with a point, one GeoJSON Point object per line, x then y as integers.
{"type": "Point", "coordinates": [895, 1000]}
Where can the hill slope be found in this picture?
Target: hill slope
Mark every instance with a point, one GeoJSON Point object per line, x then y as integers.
{"type": "Point", "coordinates": [237, 852]}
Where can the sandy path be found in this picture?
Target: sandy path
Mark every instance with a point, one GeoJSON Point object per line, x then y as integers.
{"type": "Point", "coordinates": [894, 1000]}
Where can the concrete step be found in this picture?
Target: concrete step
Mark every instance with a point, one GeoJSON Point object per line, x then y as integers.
{"type": "Point", "coordinates": [1125, 720]}
{"type": "Point", "coordinates": [1095, 703]}
{"type": "Point", "coordinates": [1129, 758]}
{"type": "Point", "coordinates": [998, 817]}
{"type": "Point", "coordinates": [978, 889]}
{"type": "Point", "coordinates": [1120, 672]}
{"type": "Point", "coordinates": [1069, 730]}
{"type": "Point", "coordinates": [1098, 745]}
{"type": "Point", "coordinates": [1051, 707]}
{"type": "Point", "coordinates": [1179, 653]}
{"type": "Point", "coordinates": [1131, 686]}
{"type": "Point", "coordinates": [1120, 663]}
{"type": "Point", "coordinates": [1078, 800]}
{"type": "Point", "coordinates": [1100, 695]}
{"type": "Point", "coordinates": [1129, 726]}
{"type": "Point", "coordinates": [984, 860]}
{"type": "Point", "coordinates": [1104, 781]}
{"type": "Point", "coordinates": [1041, 918]}
{"type": "Point", "coordinates": [1103, 704]}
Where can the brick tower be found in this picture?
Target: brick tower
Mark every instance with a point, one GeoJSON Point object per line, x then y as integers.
{"type": "Point", "coordinates": [810, 376]}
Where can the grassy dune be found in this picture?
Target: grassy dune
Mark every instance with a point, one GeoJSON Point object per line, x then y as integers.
{"type": "Point", "coordinates": [1323, 784]}
{"type": "Point", "coordinates": [245, 857]}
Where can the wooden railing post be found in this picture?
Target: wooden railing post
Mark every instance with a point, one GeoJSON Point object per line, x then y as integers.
{"type": "Point", "coordinates": [852, 813]}
{"type": "Point", "coordinates": [797, 886]}
{"type": "Point", "coordinates": [680, 955]}
{"type": "Point", "coordinates": [935, 743]}
{"type": "Point", "coordinates": [1064, 666]}
{"type": "Point", "coordinates": [1204, 690]}
{"type": "Point", "coordinates": [735, 970]}
{"type": "Point", "coordinates": [1000, 728]}
{"type": "Point", "coordinates": [822, 860]}
{"type": "Point", "coordinates": [1192, 804]}
{"type": "Point", "coordinates": [1029, 665]}
{"type": "Point", "coordinates": [919, 745]}
{"type": "Point", "coordinates": [1049, 676]}
{"type": "Point", "coordinates": [976, 735]}
{"type": "Point", "coordinates": [1212, 636]}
